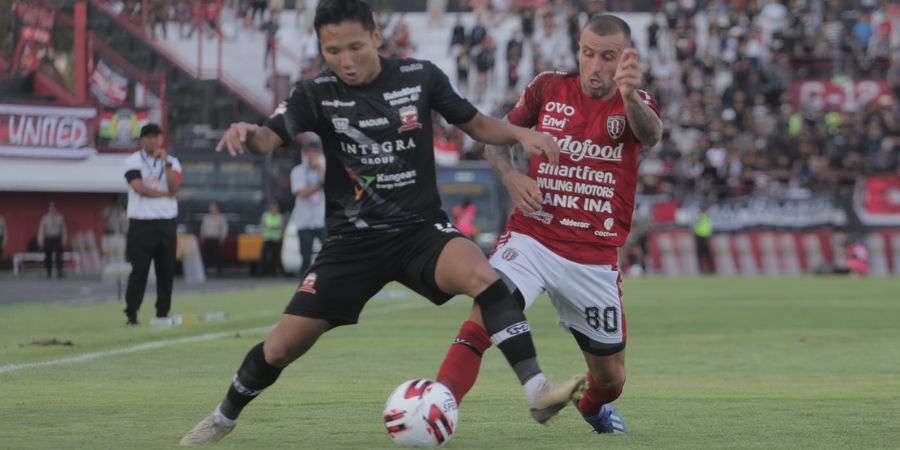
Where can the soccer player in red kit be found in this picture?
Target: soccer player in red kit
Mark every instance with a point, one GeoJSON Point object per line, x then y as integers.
{"type": "Point", "coordinates": [571, 218]}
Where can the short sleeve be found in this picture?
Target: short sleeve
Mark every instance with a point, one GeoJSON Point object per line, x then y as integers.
{"type": "Point", "coordinates": [649, 101]}
{"type": "Point", "coordinates": [297, 178]}
{"type": "Point", "coordinates": [446, 100]}
{"type": "Point", "coordinates": [176, 164]}
{"type": "Point", "coordinates": [295, 115]}
{"type": "Point", "coordinates": [525, 112]}
{"type": "Point", "coordinates": [132, 168]}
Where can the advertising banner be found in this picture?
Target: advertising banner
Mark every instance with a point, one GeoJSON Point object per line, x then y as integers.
{"type": "Point", "coordinates": [838, 95]}
{"type": "Point", "coordinates": [877, 201]}
{"type": "Point", "coordinates": [47, 131]}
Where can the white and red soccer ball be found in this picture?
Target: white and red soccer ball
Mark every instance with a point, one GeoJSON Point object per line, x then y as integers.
{"type": "Point", "coordinates": [421, 413]}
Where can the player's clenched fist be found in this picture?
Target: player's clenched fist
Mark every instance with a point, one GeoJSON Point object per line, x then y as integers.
{"type": "Point", "coordinates": [235, 137]}
{"type": "Point", "coordinates": [629, 75]}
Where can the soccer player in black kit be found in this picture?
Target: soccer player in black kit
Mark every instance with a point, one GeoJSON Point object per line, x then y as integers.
{"type": "Point", "coordinates": [383, 212]}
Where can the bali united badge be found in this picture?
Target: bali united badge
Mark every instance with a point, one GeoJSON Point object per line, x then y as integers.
{"type": "Point", "coordinates": [409, 117]}
{"type": "Point", "coordinates": [615, 125]}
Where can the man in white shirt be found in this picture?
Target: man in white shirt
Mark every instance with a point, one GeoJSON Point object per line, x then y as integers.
{"type": "Point", "coordinates": [307, 180]}
{"type": "Point", "coordinates": [154, 179]}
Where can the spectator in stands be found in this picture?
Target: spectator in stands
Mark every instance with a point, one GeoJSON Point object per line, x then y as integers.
{"type": "Point", "coordinates": [52, 239]}
{"type": "Point", "coordinates": [272, 226]}
{"type": "Point", "coordinates": [436, 10]}
{"type": "Point", "coordinates": [478, 33]}
{"type": "Point", "coordinates": [184, 18]}
{"type": "Point", "coordinates": [307, 180]}
{"type": "Point", "coordinates": [457, 36]}
{"type": "Point", "coordinates": [213, 231]}
{"type": "Point", "coordinates": [306, 9]}
{"type": "Point", "coordinates": [463, 67]}
{"type": "Point", "coordinates": [484, 66]}
{"type": "Point", "coordinates": [159, 15]}
{"type": "Point", "coordinates": [270, 29]}
{"type": "Point", "coordinates": [4, 235]}
{"type": "Point", "coordinates": [526, 17]}
{"type": "Point", "coordinates": [211, 15]}
{"type": "Point", "coordinates": [514, 49]}
{"type": "Point", "coordinates": [575, 20]}
{"type": "Point", "coordinates": [257, 7]}
{"type": "Point", "coordinates": [275, 8]}
{"type": "Point", "coordinates": [552, 46]}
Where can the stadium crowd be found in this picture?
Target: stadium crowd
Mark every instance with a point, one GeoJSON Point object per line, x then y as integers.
{"type": "Point", "coordinates": [722, 72]}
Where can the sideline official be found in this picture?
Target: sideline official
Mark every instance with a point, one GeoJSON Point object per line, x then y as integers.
{"type": "Point", "coordinates": [154, 179]}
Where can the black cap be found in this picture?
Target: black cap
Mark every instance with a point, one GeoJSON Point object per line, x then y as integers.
{"type": "Point", "coordinates": [151, 129]}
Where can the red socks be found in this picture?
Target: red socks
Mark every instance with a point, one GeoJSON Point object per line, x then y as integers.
{"type": "Point", "coordinates": [595, 396]}
{"type": "Point", "coordinates": [461, 365]}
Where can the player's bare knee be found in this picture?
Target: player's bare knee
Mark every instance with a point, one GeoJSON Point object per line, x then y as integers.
{"type": "Point", "coordinates": [280, 353]}
{"type": "Point", "coordinates": [608, 380]}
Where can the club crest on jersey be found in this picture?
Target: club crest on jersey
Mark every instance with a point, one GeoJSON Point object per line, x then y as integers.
{"type": "Point", "coordinates": [616, 126]}
{"type": "Point", "coordinates": [341, 124]}
{"type": "Point", "coordinates": [409, 116]}
{"type": "Point", "coordinates": [308, 284]}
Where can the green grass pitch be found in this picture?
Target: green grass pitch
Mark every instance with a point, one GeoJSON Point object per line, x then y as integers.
{"type": "Point", "coordinates": [712, 363]}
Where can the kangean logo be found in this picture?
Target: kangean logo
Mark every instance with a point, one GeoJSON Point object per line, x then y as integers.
{"type": "Point", "coordinates": [579, 150]}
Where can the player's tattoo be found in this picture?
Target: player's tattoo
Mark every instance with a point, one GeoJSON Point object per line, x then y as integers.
{"type": "Point", "coordinates": [504, 158]}
{"type": "Point", "coordinates": [644, 122]}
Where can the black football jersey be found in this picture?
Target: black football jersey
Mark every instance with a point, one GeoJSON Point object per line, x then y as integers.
{"type": "Point", "coordinates": [378, 143]}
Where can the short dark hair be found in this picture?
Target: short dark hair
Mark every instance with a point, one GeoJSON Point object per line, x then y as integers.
{"type": "Point", "coordinates": [608, 24]}
{"type": "Point", "coordinates": [313, 144]}
{"type": "Point", "coordinates": [333, 12]}
{"type": "Point", "coordinates": [151, 129]}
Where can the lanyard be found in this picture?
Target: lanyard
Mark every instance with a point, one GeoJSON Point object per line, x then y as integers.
{"type": "Point", "coordinates": [152, 165]}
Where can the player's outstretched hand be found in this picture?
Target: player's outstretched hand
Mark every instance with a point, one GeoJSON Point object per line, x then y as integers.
{"type": "Point", "coordinates": [628, 73]}
{"type": "Point", "coordinates": [235, 137]}
{"type": "Point", "coordinates": [538, 143]}
{"type": "Point", "coordinates": [523, 190]}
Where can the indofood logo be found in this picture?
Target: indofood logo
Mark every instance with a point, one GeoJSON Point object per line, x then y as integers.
{"type": "Point", "coordinates": [579, 150]}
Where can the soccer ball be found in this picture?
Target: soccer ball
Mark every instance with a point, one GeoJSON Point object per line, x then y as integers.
{"type": "Point", "coordinates": [421, 413]}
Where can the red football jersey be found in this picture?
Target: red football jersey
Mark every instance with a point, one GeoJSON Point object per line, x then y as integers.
{"type": "Point", "coordinates": [588, 199]}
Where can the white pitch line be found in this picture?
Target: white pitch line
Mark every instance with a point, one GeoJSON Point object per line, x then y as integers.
{"type": "Point", "coordinates": [183, 340]}
{"type": "Point", "coordinates": [125, 350]}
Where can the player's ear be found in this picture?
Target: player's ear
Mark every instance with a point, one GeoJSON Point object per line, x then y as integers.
{"type": "Point", "coordinates": [376, 37]}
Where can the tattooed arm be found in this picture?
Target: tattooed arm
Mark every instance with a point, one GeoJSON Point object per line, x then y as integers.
{"type": "Point", "coordinates": [522, 189]}
{"type": "Point", "coordinates": [645, 124]}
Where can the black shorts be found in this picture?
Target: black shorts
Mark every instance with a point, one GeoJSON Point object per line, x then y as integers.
{"type": "Point", "coordinates": [347, 273]}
